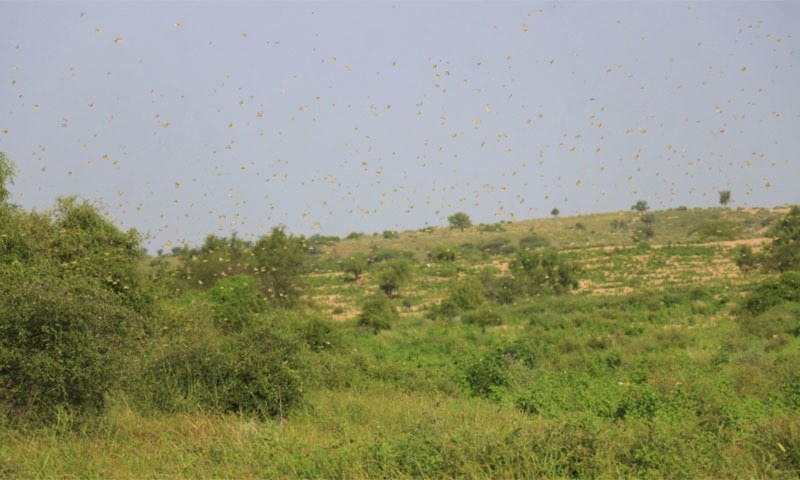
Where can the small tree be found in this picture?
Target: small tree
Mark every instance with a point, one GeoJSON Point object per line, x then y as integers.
{"type": "Point", "coordinates": [355, 267]}
{"type": "Point", "coordinates": [460, 221]}
{"type": "Point", "coordinates": [555, 212]}
{"type": "Point", "coordinates": [640, 206]}
{"type": "Point", "coordinates": [280, 262]}
{"type": "Point", "coordinates": [378, 314]}
{"type": "Point", "coordinates": [724, 197]}
{"type": "Point", "coordinates": [783, 253]}
{"type": "Point", "coordinates": [395, 274]}
{"type": "Point", "coordinates": [6, 177]}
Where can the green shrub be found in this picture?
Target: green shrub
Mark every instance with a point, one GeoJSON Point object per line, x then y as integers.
{"type": "Point", "coordinates": [443, 254]}
{"type": "Point", "coordinates": [354, 267]}
{"type": "Point", "coordinates": [463, 294]}
{"type": "Point", "coordinates": [235, 301]}
{"type": "Point", "coordinates": [485, 374]}
{"type": "Point", "coordinates": [63, 340]}
{"type": "Point", "coordinates": [279, 263]}
{"type": "Point", "coordinates": [250, 372]}
{"type": "Point", "coordinates": [745, 259]}
{"type": "Point", "coordinates": [532, 242]}
{"type": "Point", "coordinates": [493, 246]}
{"type": "Point", "coordinates": [378, 313]}
{"type": "Point", "coordinates": [783, 254]}
{"type": "Point", "coordinates": [774, 291]}
{"type": "Point", "coordinates": [394, 275]}
{"type": "Point", "coordinates": [482, 317]}
{"type": "Point", "coordinates": [491, 227]}
{"type": "Point", "coordinates": [543, 272]}
{"type": "Point", "coordinates": [354, 236]}
{"type": "Point", "coordinates": [390, 234]}
{"type": "Point", "coordinates": [782, 319]}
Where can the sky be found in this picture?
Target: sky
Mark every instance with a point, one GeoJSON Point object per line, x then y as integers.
{"type": "Point", "coordinates": [183, 119]}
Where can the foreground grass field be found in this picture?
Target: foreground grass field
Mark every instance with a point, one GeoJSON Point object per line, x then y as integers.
{"type": "Point", "coordinates": [660, 364]}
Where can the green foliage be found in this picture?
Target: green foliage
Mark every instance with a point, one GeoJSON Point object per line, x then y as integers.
{"type": "Point", "coordinates": [280, 261]}
{"type": "Point", "coordinates": [444, 254]}
{"type": "Point", "coordinates": [774, 291]}
{"type": "Point", "coordinates": [494, 246]}
{"type": "Point", "coordinates": [482, 317]}
{"type": "Point", "coordinates": [236, 300]}
{"type": "Point", "coordinates": [745, 259]}
{"type": "Point", "coordinates": [390, 234]}
{"type": "Point", "coordinates": [378, 313]}
{"type": "Point", "coordinates": [460, 221]}
{"type": "Point", "coordinates": [533, 241]}
{"type": "Point", "coordinates": [394, 275]}
{"type": "Point", "coordinates": [555, 212]}
{"type": "Point", "coordinates": [640, 206]}
{"type": "Point", "coordinates": [73, 301]}
{"type": "Point", "coordinates": [724, 197]}
{"type": "Point", "coordinates": [317, 242]}
{"type": "Point", "coordinates": [6, 177]}
{"type": "Point", "coordinates": [543, 272]}
{"type": "Point", "coordinates": [485, 374]}
{"type": "Point", "coordinates": [618, 224]}
{"type": "Point", "coordinates": [718, 229]}
{"type": "Point", "coordinates": [783, 253]}
{"type": "Point", "coordinates": [63, 337]}
{"type": "Point", "coordinates": [252, 372]}
{"type": "Point", "coordinates": [491, 227]}
{"type": "Point", "coordinates": [355, 267]}
{"type": "Point", "coordinates": [463, 294]}
{"type": "Point", "coordinates": [217, 258]}
{"type": "Point", "coordinates": [354, 235]}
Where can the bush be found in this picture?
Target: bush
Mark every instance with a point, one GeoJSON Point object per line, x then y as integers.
{"type": "Point", "coordinates": [444, 254]}
{"type": "Point", "coordinates": [464, 294]}
{"type": "Point", "coordinates": [395, 274]}
{"type": "Point", "coordinates": [543, 272]}
{"type": "Point", "coordinates": [485, 374]}
{"type": "Point", "coordinates": [390, 234]}
{"type": "Point", "coordinates": [378, 313]}
{"type": "Point", "coordinates": [491, 227]}
{"type": "Point", "coordinates": [251, 372]}
{"type": "Point", "coordinates": [785, 288]}
{"type": "Point", "coordinates": [783, 254]}
{"type": "Point", "coordinates": [532, 242]}
{"type": "Point", "coordinates": [482, 317]}
{"type": "Point", "coordinates": [492, 247]}
{"type": "Point", "coordinates": [235, 301]}
{"type": "Point", "coordinates": [745, 259]}
{"type": "Point", "coordinates": [355, 267]}
{"type": "Point", "coordinates": [280, 262]}
{"type": "Point", "coordinates": [63, 339]}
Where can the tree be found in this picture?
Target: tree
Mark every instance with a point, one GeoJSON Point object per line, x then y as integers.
{"type": "Point", "coordinates": [459, 220]}
{"type": "Point", "coordinates": [783, 253]}
{"type": "Point", "coordinates": [354, 266]}
{"type": "Point", "coordinates": [539, 272]}
{"type": "Point", "coordinates": [6, 177]}
{"type": "Point", "coordinates": [395, 274]}
{"type": "Point", "coordinates": [280, 261]}
{"type": "Point", "coordinates": [555, 212]}
{"type": "Point", "coordinates": [724, 197]}
{"type": "Point", "coordinates": [640, 206]}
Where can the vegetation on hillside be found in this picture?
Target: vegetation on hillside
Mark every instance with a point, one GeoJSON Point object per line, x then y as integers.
{"type": "Point", "coordinates": [508, 350]}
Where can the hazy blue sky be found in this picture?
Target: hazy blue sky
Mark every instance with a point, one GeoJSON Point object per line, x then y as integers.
{"type": "Point", "coordinates": [186, 118]}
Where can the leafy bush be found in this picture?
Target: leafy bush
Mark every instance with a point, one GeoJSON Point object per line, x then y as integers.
{"type": "Point", "coordinates": [492, 247]}
{"type": "Point", "coordinates": [355, 267]}
{"type": "Point", "coordinates": [394, 275]}
{"type": "Point", "coordinates": [774, 291]}
{"type": "Point", "coordinates": [463, 294]}
{"type": "Point", "coordinates": [482, 317]}
{"type": "Point", "coordinates": [783, 254]}
{"type": "Point", "coordinates": [444, 254]}
{"type": "Point", "coordinates": [235, 301]}
{"type": "Point", "coordinates": [533, 241]}
{"type": "Point", "coordinates": [390, 234]}
{"type": "Point", "coordinates": [782, 319]}
{"type": "Point", "coordinates": [543, 272]}
{"type": "Point", "coordinates": [484, 374]}
{"type": "Point", "coordinates": [378, 313]}
{"type": "Point", "coordinates": [280, 261]}
{"type": "Point", "coordinates": [491, 227]}
{"type": "Point", "coordinates": [63, 339]}
{"type": "Point", "coordinates": [250, 372]}
{"type": "Point", "coordinates": [745, 259]}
